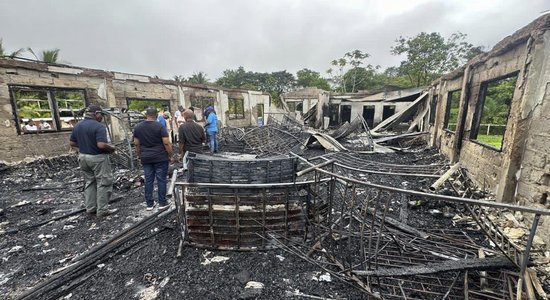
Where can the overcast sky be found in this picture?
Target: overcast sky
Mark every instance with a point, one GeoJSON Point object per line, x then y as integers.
{"type": "Point", "coordinates": [176, 37]}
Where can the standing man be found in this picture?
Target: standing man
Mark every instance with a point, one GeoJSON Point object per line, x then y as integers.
{"type": "Point", "coordinates": [180, 119]}
{"type": "Point", "coordinates": [160, 118]}
{"type": "Point", "coordinates": [154, 149]}
{"type": "Point", "coordinates": [90, 136]}
{"type": "Point", "coordinates": [191, 135]}
{"type": "Point", "coordinates": [212, 129]}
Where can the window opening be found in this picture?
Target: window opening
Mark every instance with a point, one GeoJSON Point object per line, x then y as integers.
{"type": "Point", "coordinates": [493, 109]}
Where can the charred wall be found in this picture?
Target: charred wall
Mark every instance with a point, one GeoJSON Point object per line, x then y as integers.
{"type": "Point", "coordinates": [445, 139]}
{"type": "Point", "coordinates": [14, 146]}
{"type": "Point", "coordinates": [108, 89]}
{"type": "Point", "coordinates": [534, 175]}
{"type": "Point", "coordinates": [520, 170]}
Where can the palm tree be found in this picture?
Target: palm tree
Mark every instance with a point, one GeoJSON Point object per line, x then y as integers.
{"type": "Point", "coordinates": [47, 56]}
{"type": "Point", "coordinates": [198, 78]}
{"type": "Point", "coordinates": [15, 53]}
{"type": "Point", "coordinates": [179, 78]}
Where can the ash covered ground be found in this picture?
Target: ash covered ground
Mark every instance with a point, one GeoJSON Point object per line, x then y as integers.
{"type": "Point", "coordinates": [146, 267]}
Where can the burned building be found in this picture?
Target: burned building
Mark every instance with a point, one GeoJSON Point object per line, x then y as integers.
{"type": "Point", "coordinates": [339, 219]}
{"type": "Point", "coordinates": [509, 155]}
{"type": "Point", "coordinates": [51, 94]}
{"type": "Point", "coordinates": [315, 104]}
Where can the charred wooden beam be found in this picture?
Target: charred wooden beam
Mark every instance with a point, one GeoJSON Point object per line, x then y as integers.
{"type": "Point", "coordinates": [446, 266]}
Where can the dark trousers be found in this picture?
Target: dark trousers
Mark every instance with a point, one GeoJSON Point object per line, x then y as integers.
{"type": "Point", "coordinates": [159, 171]}
{"type": "Point", "coordinates": [213, 141]}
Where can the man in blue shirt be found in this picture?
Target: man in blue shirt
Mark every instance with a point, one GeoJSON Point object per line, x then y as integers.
{"type": "Point", "coordinates": [160, 119]}
{"type": "Point", "coordinates": [212, 129]}
{"type": "Point", "coordinates": [154, 149]}
{"type": "Point", "coordinates": [90, 136]}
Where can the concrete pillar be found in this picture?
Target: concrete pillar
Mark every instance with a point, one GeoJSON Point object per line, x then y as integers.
{"type": "Point", "coordinates": [535, 76]}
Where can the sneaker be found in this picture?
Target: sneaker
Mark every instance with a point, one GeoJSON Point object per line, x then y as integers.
{"type": "Point", "coordinates": [151, 207]}
{"type": "Point", "coordinates": [107, 212]}
{"type": "Point", "coordinates": [164, 206]}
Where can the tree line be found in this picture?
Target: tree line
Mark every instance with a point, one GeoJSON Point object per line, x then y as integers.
{"type": "Point", "coordinates": [426, 56]}
{"type": "Point", "coordinates": [48, 56]}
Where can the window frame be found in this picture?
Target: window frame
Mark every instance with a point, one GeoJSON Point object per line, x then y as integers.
{"type": "Point", "coordinates": [433, 109]}
{"type": "Point", "coordinates": [132, 122]}
{"type": "Point", "coordinates": [260, 112]}
{"type": "Point", "coordinates": [478, 113]}
{"type": "Point", "coordinates": [448, 109]}
{"type": "Point", "coordinates": [232, 103]}
{"type": "Point", "coordinates": [52, 101]}
{"type": "Point", "coordinates": [291, 106]}
{"type": "Point", "coordinates": [300, 107]}
{"type": "Point", "coordinates": [201, 108]}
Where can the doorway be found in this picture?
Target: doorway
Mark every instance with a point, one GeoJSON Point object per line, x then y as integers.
{"type": "Point", "coordinates": [345, 113]}
{"type": "Point", "coordinates": [368, 115]}
{"type": "Point", "coordinates": [333, 114]}
{"type": "Point", "coordinates": [388, 111]}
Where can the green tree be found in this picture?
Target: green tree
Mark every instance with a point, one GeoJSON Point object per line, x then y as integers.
{"type": "Point", "coordinates": [5, 53]}
{"type": "Point", "coordinates": [428, 55]}
{"type": "Point", "coordinates": [474, 51]}
{"type": "Point", "coordinates": [349, 71]}
{"type": "Point", "coordinates": [309, 78]}
{"type": "Point", "coordinates": [283, 82]}
{"type": "Point", "coordinates": [362, 78]}
{"type": "Point", "coordinates": [498, 98]}
{"type": "Point", "coordinates": [198, 78]}
{"type": "Point", "coordinates": [47, 56]}
{"type": "Point", "coordinates": [390, 78]}
{"type": "Point", "coordinates": [273, 83]}
{"type": "Point", "coordinates": [178, 78]}
{"type": "Point", "coordinates": [239, 78]}
{"type": "Point", "coordinates": [140, 105]}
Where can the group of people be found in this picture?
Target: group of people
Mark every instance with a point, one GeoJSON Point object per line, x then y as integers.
{"type": "Point", "coordinates": [30, 126]}
{"type": "Point", "coordinates": [153, 149]}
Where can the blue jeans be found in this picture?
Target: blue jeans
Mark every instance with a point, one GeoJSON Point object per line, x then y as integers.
{"type": "Point", "coordinates": [213, 137]}
{"type": "Point", "coordinates": [155, 170]}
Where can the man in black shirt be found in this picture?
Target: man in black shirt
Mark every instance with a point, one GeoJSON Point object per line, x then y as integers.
{"type": "Point", "coordinates": [191, 134]}
{"type": "Point", "coordinates": [154, 149]}
{"type": "Point", "coordinates": [90, 136]}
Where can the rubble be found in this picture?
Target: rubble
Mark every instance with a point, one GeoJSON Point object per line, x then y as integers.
{"type": "Point", "coordinates": [436, 239]}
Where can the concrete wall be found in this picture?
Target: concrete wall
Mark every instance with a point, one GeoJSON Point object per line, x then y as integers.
{"type": "Point", "coordinates": [533, 186]}
{"type": "Point", "coordinates": [487, 166]}
{"type": "Point", "coordinates": [14, 147]}
{"type": "Point", "coordinates": [445, 139]}
{"type": "Point", "coordinates": [520, 171]}
{"type": "Point", "coordinates": [108, 89]}
{"type": "Point", "coordinates": [251, 99]}
{"type": "Point", "coordinates": [357, 108]}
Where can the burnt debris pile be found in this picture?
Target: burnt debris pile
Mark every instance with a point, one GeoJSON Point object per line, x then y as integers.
{"type": "Point", "coordinates": [336, 214]}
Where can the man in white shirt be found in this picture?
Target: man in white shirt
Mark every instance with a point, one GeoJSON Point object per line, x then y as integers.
{"type": "Point", "coordinates": [30, 126]}
{"type": "Point", "coordinates": [45, 126]}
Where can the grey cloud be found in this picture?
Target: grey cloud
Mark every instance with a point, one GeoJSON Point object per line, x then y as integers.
{"type": "Point", "coordinates": [167, 38]}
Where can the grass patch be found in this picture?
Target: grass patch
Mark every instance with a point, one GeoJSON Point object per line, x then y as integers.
{"type": "Point", "coordinates": [491, 140]}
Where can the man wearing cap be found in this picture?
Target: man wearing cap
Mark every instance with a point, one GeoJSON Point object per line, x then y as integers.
{"type": "Point", "coordinates": [154, 149]}
{"type": "Point", "coordinates": [90, 136]}
{"type": "Point", "coordinates": [211, 127]}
